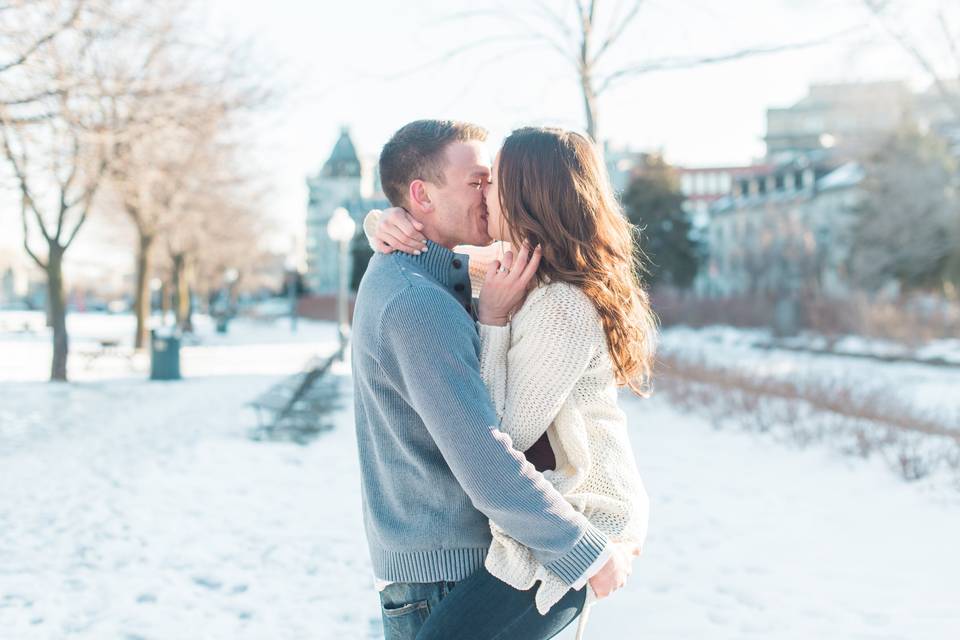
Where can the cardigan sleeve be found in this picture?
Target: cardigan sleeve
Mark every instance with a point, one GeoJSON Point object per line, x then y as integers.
{"type": "Point", "coordinates": [530, 378]}
{"type": "Point", "coordinates": [480, 257]}
{"type": "Point", "coordinates": [370, 224]}
{"type": "Point", "coordinates": [494, 344]}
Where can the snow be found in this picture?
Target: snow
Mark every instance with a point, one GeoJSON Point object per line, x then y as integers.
{"type": "Point", "coordinates": [931, 389]}
{"type": "Point", "coordinates": [846, 175]}
{"type": "Point", "coordinates": [136, 509]}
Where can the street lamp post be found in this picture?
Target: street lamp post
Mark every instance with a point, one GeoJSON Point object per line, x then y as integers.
{"type": "Point", "coordinates": [223, 305]}
{"type": "Point", "coordinates": [341, 229]}
{"type": "Point", "coordinates": [292, 280]}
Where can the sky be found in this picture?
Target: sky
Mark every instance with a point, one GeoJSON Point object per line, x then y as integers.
{"type": "Point", "coordinates": [375, 65]}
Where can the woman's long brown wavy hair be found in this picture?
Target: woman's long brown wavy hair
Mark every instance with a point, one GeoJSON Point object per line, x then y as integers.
{"type": "Point", "coordinates": [554, 190]}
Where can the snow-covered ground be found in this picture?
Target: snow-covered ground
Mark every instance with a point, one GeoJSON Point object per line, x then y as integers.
{"type": "Point", "coordinates": [945, 350]}
{"type": "Point", "coordinates": [930, 389]}
{"type": "Point", "coordinates": [131, 509]}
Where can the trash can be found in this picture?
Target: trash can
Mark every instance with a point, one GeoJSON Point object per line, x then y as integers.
{"type": "Point", "coordinates": [164, 355]}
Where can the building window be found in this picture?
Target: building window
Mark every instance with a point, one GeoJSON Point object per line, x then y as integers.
{"type": "Point", "coordinates": [726, 182]}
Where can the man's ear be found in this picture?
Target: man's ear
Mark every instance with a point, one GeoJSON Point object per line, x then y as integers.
{"type": "Point", "coordinates": [419, 197]}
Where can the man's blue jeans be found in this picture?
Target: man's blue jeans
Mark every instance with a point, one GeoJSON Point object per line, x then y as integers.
{"type": "Point", "coordinates": [480, 607]}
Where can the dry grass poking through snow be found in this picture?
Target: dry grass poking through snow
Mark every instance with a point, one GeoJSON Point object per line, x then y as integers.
{"type": "Point", "coordinates": [858, 422]}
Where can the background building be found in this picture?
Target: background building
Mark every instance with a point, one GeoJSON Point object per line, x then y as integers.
{"type": "Point", "coordinates": [344, 181]}
{"type": "Point", "coordinates": [785, 224]}
{"type": "Point", "coordinates": [784, 228]}
{"type": "Point", "coordinates": [622, 164]}
{"type": "Point", "coordinates": [703, 186]}
{"type": "Point", "coordinates": [853, 117]}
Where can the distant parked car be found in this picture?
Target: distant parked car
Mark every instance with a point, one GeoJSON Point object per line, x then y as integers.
{"type": "Point", "coordinates": [118, 306]}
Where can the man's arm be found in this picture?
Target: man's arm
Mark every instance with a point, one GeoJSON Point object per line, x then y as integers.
{"type": "Point", "coordinates": [433, 344]}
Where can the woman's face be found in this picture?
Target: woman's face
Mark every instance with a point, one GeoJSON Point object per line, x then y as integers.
{"type": "Point", "coordinates": [496, 222]}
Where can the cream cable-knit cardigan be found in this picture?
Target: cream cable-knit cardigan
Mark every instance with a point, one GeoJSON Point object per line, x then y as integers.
{"type": "Point", "coordinates": [549, 370]}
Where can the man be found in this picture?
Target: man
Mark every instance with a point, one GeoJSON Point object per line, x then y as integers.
{"type": "Point", "coordinates": [434, 466]}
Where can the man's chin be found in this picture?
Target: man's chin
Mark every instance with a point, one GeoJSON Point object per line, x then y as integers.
{"type": "Point", "coordinates": [483, 238]}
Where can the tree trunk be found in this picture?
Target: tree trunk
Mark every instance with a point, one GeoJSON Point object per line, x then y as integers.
{"type": "Point", "coordinates": [142, 294]}
{"type": "Point", "coordinates": [189, 320]}
{"type": "Point", "coordinates": [586, 77]}
{"type": "Point", "coordinates": [58, 314]}
{"type": "Point", "coordinates": [166, 292]}
{"type": "Point", "coordinates": [181, 284]}
{"type": "Point", "coordinates": [589, 106]}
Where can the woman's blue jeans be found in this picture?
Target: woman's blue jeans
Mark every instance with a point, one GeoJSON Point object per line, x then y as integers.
{"type": "Point", "coordinates": [480, 607]}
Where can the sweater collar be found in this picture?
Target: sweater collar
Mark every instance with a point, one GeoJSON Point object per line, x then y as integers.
{"type": "Point", "coordinates": [451, 270]}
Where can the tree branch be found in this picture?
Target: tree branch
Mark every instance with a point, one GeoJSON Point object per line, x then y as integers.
{"type": "Point", "coordinates": [617, 31]}
{"type": "Point", "coordinates": [456, 52]}
{"type": "Point", "coordinates": [88, 201]}
{"type": "Point", "coordinates": [65, 186]}
{"type": "Point", "coordinates": [952, 40]}
{"type": "Point", "coordinates": [27, 197]}
{"type": "Point", "coordinates": [664, 64]}
{"type": "Point", "coordinates": [68, 23]}
{"type": "Point", "coordinates": [26, 236]}
{"type": "Point", "coordinates": [877, 7]}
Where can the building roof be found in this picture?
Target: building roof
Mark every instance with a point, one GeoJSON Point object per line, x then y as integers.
{"type": "Point", "coordinates": [846, 175]}
{"type": "Point", "coordinates": [343, 161]}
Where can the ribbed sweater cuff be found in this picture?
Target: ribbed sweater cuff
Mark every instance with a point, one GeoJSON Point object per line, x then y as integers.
{"type": "Point", "coordinates": [495, 339]}
{"type": "Point", "coordinates": [370, 224]}
{"type": "Point", "coordinates": [572, 565]}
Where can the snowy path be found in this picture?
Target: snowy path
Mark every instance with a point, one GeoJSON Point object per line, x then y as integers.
{"type": "Point", "coordinates": [138, 510]}
{"type": "Point", "coordinates": [749, 539]}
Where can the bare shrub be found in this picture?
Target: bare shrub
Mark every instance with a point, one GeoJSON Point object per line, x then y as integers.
{"type": "Point", "coordinates": [857, 421]}
{"type": "Point", "coordinates": [910, 320]}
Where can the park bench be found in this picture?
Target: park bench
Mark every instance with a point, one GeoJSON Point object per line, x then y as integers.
{"type": "Point", "coordinates": [294, 408]}
{"type": "Point", "coordinates": [107, 348]}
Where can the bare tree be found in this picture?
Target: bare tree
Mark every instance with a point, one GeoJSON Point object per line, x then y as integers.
{"type": "Point", "coordinates": [576, 31]}
{"type": "Point", "coordinates": [26, 28]}
{"type": "Point", "coordinates": [909, 222]}
{"type": "Point", "coordinates": [223, 232]}
{"type": "Point", "coordinates": [943, 69]}
{"type": "Point", "coordinates": [150, 185]}
{"type": "Point", "coordinates": [58, 160]}
{"type": "Point", "coordinates": [187, 109]}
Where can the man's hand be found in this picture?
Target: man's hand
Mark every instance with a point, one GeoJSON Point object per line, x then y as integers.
{"type": "Point", "coordinates": [615, 572]}
{"type": "Point", "coordinates": [398, 231]}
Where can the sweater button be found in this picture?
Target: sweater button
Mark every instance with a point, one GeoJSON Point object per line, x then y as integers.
{"type": "Point", "coordinates": [457, 264]}
{"type": "Point", "coordinates": [458, 287]}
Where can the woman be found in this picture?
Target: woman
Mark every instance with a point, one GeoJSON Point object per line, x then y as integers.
{"type": "Point", "coordinates": [553, 366]}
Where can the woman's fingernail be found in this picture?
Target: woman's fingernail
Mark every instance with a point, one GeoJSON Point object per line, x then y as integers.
{"type": "Point", "coordinates": [416, 253]}
{"type": "Point", "coordinates": [425, 247]}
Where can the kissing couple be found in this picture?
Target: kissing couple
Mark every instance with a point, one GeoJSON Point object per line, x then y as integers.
{"type": "Point", "coordinates": [501, 497]}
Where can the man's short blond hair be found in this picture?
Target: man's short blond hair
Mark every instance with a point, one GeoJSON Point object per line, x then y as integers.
{"type": "Point", "coordinates": [417, 151]}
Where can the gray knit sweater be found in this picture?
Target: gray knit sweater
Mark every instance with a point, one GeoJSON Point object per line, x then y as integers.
{"type": "Point", "coordinates": [434, 464]}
